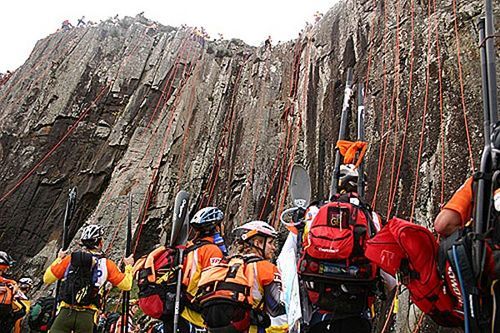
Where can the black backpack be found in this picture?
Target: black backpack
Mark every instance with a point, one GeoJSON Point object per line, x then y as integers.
{"type": "Point", "coordinates": [40, 315]}
{"type": "Point", "coordinates": [78, 286]}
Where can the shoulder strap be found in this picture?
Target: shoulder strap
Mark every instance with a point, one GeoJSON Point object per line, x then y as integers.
{"type": "Point", "coordinates": [196, 245]}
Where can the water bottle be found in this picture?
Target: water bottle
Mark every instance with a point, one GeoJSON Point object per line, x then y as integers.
{"type": "Point", "coordinates": [219, 241]}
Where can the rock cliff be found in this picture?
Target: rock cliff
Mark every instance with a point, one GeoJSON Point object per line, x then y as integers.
{"type": "Point", "coordinates": [135, 106]}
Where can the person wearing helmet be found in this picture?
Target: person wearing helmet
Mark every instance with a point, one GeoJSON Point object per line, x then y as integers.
{"type": "Point", "coordinates": [25, 285]}
{"type": "Point", "coordinates": [84, 273]}
{"type": "Point", "coordinates": [256, 242]}
{"type": "Point", "coordinates": [201, 252]}
{"type": "Point", "coordinates": [11, 309]}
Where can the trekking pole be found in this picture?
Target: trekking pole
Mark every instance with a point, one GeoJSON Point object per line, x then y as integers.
{"type": "Point", "coordinates": [342, 130]}
{"type": "Point", "coordinates": [68, 215]}
{"type": "Point", "coordinates": [128, 251]}
{"type": "Point", "coordinates": [361, 137]}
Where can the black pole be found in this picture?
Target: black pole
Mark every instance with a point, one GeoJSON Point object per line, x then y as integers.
{"type": "Point", "coordinates": [361, 137]}
{"type": "Point", "coordinates": [68, 215]}
{"type": "Point", "coordinates": [128, 251]}
{"type": "Point", "coordinates": [342, 130]}
{"type": "Point", "coordinates": [491, 60]}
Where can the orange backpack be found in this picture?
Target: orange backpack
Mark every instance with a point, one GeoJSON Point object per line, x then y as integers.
{"type": "Point", "coordinates": [6, 298]}
{"type": "Point", "coordinates": [230, 280]}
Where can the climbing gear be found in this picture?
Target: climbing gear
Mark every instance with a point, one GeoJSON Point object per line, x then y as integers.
{"type": "Point", "coordinates": [40, 314]}
{"type": "Point", "coordinates": [207, 218]}
{"type": "Point", "coordinates": [78, 285]}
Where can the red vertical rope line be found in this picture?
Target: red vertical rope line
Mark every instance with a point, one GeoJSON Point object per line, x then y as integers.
{"type": "Point", "coordinates": [287, 128]}
{"type": "Point", "coordinates": [249, 182]}
{"type": "Point", "coordinates": [186, 133]}
{"type": "Point", "coordinates": [462, 94]}
{"type": "Point", "coordinates": [442, 129]}
{"type": "Point", "coordinates": [172, 74]}
{"type": "Point", "coordinates": [408, 100]}
{"type": "Point", "coordinates": [229, 129]}
{"type": "Point", "coordinates": [302, 108]}
{"type": "Point", "coordinates": [394, 107]}
{"type": "Point", "coordinates": [370, 49]}
{"type": "Point", "coordinates": [424, 112]}
{"type": "Point", "coordinates": [168, 83]}
{"type": "Point", "coordinates": [381, 154]}
{"type": "Point", "coordinates": [154, 177]}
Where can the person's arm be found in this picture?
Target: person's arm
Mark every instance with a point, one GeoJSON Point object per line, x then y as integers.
{"type": "Point", "coordinates": [272, 289]}
{"type": "Point", "coordinates": [447, 222]}
{"type": "Point", "coordinates": [456, 212]}
{"type": "Point", "coordinates": [57, 269]}
{"type": "Point", "coordinates": [118, 279]}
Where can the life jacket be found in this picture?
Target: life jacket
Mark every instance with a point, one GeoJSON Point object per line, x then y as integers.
{"type": "Point", "coordinates": [40, 314]}
{"type": "Point", "coordinates": [409, 251]}
{"type": "Point", "coordinates": [6, 297]}
{"type": "Point", "coordinates": [80, 285]}
{"type": "Point", "coordinates": [156, 277]}
{"type": "Point", "coordinates": [231, 283]}
{"type": "Point", "coordinates": [230, 280]}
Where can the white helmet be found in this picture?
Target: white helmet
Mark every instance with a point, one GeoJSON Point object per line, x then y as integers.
{"type": "Point", "coordinates": [91, 235]}
{"type": "Point", "coordinates": [255, 228]}
{"type": "Point", "coordinates": [348, 178]}
{"type": "Point", "coordinates": [26, 282]}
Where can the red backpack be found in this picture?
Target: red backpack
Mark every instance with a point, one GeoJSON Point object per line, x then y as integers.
{"type": "Point", "coordinates": [337, 275]}
{"type": "Point", "coordinates": [336, 242]}
{"type": "Point", "coordinates": [410, 250]}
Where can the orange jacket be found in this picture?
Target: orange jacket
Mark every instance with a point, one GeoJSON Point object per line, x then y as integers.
{"type": "Point", "coordinates": [462, 201]}
{"type": "Point", "coordinates": [109, 272]}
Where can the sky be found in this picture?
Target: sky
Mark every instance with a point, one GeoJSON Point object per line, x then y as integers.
{"type": "Point", "coordinates": [24, 22]}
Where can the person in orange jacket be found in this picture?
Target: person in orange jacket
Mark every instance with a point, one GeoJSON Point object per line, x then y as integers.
{"type": "Point", "coordinates": [10, 308]}
{"type": "Point", "coordinates": [83, 274]}
{"type": "Point", "coordinates": [204, 250]}
{"type": "Point", "coordinates": [256, 243]}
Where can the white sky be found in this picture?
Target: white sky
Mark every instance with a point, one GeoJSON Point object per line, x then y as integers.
{"type": "Point", "coordinates": [24, 22]}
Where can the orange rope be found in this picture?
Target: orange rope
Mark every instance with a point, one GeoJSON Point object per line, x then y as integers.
{"type": "Point", "coordinates": [460, 77]}
{"type": "Point", "coordinates": [424, 115]}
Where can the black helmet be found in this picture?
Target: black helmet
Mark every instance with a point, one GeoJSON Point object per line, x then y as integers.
{"type": "Point", "coordinates": [206, 219]}
{"type": "Point", "coordinates": [5, 259]}
{"type": "Point", "coordinates": [91, 236]}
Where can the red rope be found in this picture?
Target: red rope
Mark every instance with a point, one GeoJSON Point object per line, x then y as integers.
{"type": "Point", "coordinates": [154, 178]}
{"type": "Point", "coordinates": [249, 179]}
{"type": "Point", "coordinates": [54, 148]}
{"type": "Point", "coordinates": [381, 154]}
{"type": "Point", "coordinates": [442, 129]}
{"type": "Point", "coordinates": [424, 115]}
{"type": "Point", "coordinates": [460, 77]}
{"type": "Point", "coordinates": [282, 145]}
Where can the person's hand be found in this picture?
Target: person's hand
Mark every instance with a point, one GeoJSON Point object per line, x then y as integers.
{"type": "Point", "coordinates": [62, 253]}
{"type": "Point", "coordinates": [129, 261]}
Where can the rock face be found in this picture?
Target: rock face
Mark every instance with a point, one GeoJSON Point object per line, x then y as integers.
{"type": "Point", "coordinates": [132, 106]}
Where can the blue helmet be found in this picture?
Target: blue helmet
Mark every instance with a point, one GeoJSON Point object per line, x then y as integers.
{"type": "Point", "coordinates": [207, 218]}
